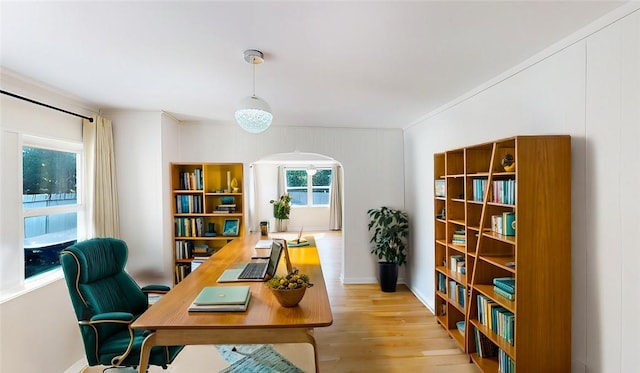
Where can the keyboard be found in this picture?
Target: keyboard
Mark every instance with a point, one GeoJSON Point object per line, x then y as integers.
{"type": "Point", "coordinates": [253, 271]}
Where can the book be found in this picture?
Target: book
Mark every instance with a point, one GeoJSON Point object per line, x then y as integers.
{"type": "Point", "coordinates": [507, 284]}
{"type": "Point", "coordinates": [504, 294]}
{"type": "Point", "coordinates": [221, 299]}
{"type": "Point", "coordinates": [440, 188]}
{"type": "Point", "coordinates": [509, 223]}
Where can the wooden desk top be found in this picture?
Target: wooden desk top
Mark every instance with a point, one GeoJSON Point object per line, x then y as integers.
{"type": "Point", "coordinates": [264, 311]}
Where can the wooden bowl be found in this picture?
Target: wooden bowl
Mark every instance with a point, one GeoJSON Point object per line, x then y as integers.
{"type": "Point", "coordinates": [289, 298]}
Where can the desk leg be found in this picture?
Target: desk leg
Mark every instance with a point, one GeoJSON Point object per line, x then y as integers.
{"type": "Point", "coordinates": [147, 345]}
{"type": "Point", "coordinates": [312, 341]}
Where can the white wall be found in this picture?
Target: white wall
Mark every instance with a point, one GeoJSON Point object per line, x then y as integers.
{"type": "Point", "coordinates": [140, 139]}
{"type": "Point", "coordinates": [590, 90]}
{"type": "Point", "coordinates": [372, 163]}
{"type": "Point", "coordinates": [33, 318]}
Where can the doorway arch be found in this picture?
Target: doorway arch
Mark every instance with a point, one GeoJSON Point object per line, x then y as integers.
{"type": "Point", "coordinates": [263, 187]}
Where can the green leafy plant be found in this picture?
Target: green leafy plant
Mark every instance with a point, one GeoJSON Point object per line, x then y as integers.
{"type": "Point", "coordinates": [281, 207]}
{"type": "Point", "coordinates": [292, 281]}
{"type": "Point", "coordinates": [389, 229]}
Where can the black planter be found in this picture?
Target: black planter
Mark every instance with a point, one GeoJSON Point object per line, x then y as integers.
{"type": "Point", "coordinates": [388, 273]}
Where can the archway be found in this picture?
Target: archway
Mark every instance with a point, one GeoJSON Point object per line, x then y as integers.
{"type": "Point", "coordinates": [264, 187]}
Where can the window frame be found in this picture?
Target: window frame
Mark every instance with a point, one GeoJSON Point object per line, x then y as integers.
{"type": "Point", "coordinates": [309, 187]}
{"type": "Point", "coordinates": [66, 146]}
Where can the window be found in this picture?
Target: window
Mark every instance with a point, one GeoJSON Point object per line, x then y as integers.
{"type": "Point", "coordinates": [49, 202]}
{"type": "Point", "coordinates": [300, 182]}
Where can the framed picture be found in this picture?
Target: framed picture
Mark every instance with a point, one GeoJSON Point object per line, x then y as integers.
{"type": "Point", "coordinates": [231, 227]}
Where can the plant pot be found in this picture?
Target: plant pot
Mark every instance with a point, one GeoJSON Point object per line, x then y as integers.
{"type": "Point", "coordinates": [281, 225]}
{"type": "Point", "coordinates": [388, 276]}
{"type": "Point", "coordinates": [289, 298]}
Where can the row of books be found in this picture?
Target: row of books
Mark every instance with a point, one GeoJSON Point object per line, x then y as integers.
{"type": "Point", "coordinates": [191, 180]}
{"type": "Point", "coordinates": [504, 224]}
{"type": "Point", "coordinates": [189, 227]}
{"type": "Point", "coordinates": [181, 271]}
{"type": "Point", "coordinates": [497, 318]}
{"type": "Point", "coordinates": [459, 237]}
{"type": "Point", "coordinates": [189, 204]}
{"type": "Point", "coordinates": [486, 349]}
{"type": "Point", "coordinates": [457, 293]}
{"type": "Point", "coordinates": [505, 363]}
{"type": "Point", "coordinates": [457, 264]}
{"type": "Point", "coordinates": [442, 283]}
{"type": "Point", "coordinates": [187, 250]}
{"type": "Point", "coordinates": [504, 191]}
{"type": "Point", "coordinates": [479, 188]}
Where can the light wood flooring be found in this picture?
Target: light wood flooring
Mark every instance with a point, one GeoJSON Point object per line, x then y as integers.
{"type": "Point", "coordinates": [372, 331]}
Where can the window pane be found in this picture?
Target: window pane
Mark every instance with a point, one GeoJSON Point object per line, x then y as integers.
{"type": "Point", "coordinates": [48, 178]}
{"type": "Point", "coordinates": [298, 196]}
{"type": "Point", "coordinates": [320, 196]}
{"type": "Point", "coordinates": [322, 178]}
{"type": "Point", "coordinates": [44, 237]}
{"type": "Point", "coordinates": [296, 178]}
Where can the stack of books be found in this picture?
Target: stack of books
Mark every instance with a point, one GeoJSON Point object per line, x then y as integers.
{"type": "Point", "coordinates": [505, 287]}
{"type": "Point", "coordinates": [459, 237]}
{"type": "Point", "coordinates": [225, 209]}
{"type": "Point", "coordinates": [202, 251]}
{"type": "Point", "coordinates": [221, 299]}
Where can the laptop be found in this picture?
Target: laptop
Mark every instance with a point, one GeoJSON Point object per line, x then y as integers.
{"type": "Point", "coordinates": [255, 271]}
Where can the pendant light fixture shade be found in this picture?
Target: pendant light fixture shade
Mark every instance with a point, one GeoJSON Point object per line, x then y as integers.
{"type": "Point", "coordinates": [253, 113]}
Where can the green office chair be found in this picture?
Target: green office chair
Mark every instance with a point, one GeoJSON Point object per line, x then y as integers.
{"type": "Point", "coordinates": [106, 301]}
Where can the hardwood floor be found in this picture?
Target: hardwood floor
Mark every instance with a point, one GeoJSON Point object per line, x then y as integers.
{"type": "Point", "coordinates": [375, 331]}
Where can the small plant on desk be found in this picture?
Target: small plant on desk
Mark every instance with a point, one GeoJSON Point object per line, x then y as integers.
{"type": "Point", "coordinates": [289, 290]}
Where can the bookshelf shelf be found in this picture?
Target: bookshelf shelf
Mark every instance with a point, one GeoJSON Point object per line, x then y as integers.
{"type": "Point", "coordinates": [199, 190]}
{"type": "Point", "coordinates": [481, 204]}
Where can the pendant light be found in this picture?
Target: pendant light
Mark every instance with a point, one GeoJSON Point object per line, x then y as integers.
{"type": "Point", "coordinates": [253, 113]}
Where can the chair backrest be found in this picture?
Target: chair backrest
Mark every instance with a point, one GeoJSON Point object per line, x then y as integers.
{"type": "Point", "coordinates": [96, 280]}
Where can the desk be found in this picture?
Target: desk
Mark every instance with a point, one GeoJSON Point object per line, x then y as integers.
{"type": "Point", "coordinates": [265, 321]}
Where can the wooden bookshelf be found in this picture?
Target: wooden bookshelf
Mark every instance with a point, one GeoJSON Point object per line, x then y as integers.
{"type": "Point", "coordinates": [203, 200]}
{"type": "Point", "coordinates": [538, 256]}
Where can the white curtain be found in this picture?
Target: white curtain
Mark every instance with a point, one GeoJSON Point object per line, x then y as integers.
{"type": "Point", "coordinates": [335, 205]}
{"type": "Point", "coordinates": [101, 194]}
{"type": "Point", "coordinates": [282, 186]}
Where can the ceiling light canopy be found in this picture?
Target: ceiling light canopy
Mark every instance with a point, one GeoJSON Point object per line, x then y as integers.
{"type": "Point", "coordinates": [253, 113]}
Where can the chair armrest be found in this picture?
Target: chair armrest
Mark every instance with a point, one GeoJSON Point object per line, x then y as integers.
{"type": "Point", "coordinates": [109, 317]}
{"type": "Point", "coordinates": [157, 289]}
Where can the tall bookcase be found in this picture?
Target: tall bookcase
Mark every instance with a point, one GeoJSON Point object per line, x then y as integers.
{"type": "Point", "coordinates": [473, 195]}
{"type": "Point", "coordinates": [207, 211]}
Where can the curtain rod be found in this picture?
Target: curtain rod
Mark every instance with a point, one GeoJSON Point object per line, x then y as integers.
{"type": "Point", "coordinates": [45, 105]}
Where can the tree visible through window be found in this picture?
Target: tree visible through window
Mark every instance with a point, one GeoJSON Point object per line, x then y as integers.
{"type": "Point", "coordinates": [50, 205]}
{"type": "Point", "coordinates": [309, 190]}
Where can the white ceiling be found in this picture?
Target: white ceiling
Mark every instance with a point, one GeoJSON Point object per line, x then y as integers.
{"type": "Point", "coordinates": [381, 64]}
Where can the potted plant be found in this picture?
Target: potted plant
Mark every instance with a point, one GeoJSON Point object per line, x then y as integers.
{"type": "Point", "coordinates": [389, 229]}
{"type": "Point", "coordinates": [281, 210]}
{"type": "Point", "coordinates": [289, 289]}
